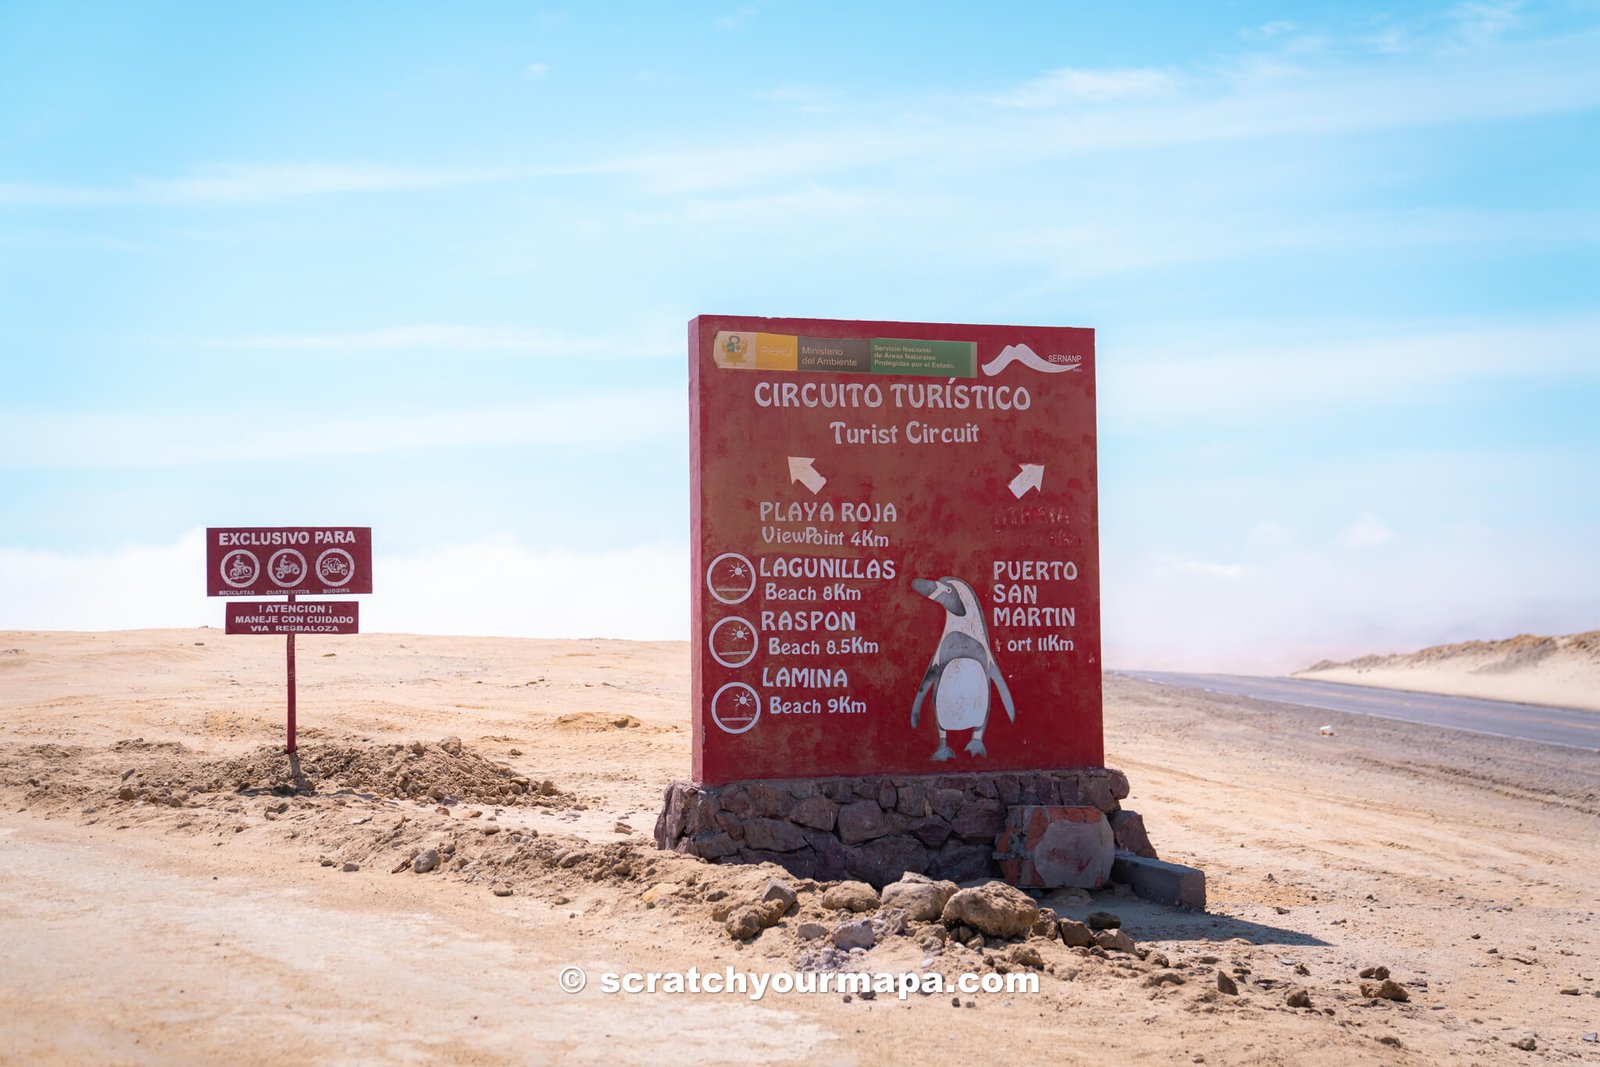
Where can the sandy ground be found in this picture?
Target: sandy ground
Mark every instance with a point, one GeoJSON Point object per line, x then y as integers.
{"type": "Point", "coordinates": [1529, 669]}
{"type": "Point", "coordinates": [162, 902]}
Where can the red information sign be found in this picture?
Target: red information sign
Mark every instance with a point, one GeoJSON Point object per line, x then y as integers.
{"type": "Point", "coordinates": [895, 549]}
{"type": "Point", "coordinates": [288, 560]}
{"type": "Point", "coordinates": [300, 617]}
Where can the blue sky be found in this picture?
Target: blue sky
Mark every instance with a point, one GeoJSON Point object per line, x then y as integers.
{"type": "Point", "coordinates": [429, 270]}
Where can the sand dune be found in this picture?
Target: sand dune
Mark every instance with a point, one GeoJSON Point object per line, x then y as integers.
{"type": "Point", "coordinates": [1528, 668]}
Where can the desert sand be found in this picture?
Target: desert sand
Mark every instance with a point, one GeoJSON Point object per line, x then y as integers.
{"type": "Point", "coordinates": [168, 894]}
{"type": "Point", "coordinates": [1528, 669]}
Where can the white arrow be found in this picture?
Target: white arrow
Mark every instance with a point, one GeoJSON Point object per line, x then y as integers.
{"type": "Point", "coordinates": [1032, 477]}
{"type": "Point", "coordinates": [801, 470]}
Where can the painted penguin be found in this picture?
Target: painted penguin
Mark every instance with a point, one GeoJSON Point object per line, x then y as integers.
{"type": "Point", "coordinates": [961, 669]}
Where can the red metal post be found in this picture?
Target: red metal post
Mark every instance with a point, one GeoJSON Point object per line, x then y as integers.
{"type": "Point", "coordinates": [290, 657]}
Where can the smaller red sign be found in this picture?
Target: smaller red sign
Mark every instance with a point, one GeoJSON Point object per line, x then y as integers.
{"type": "Point", "coordinates": [288, 560]}
{"type": "Point", "coordinates": [300, 617]}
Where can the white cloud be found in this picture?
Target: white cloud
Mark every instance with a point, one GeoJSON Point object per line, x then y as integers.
{"type": "Point", "coordinates": [1368, 531]}
{"type": "Point", "coordinates": [499, 588]}
{"type": "Point", "coordinates": [738, 18]}
{"type": "Point", "coordinates": [1481, 23]}
{"type": "Point", "coordinates": [231, 183]}
{"type": "Point", "coordinates": [1220, 379]}
{"type": "Point", "coordinates": [535, 71]}
{"type": "Point", "coordinates": [1070, 85]}
{"type": "Point", "coordinates": [486, 588]}
{"type": "Point", "coordinates": [611, 420]}
{"type": "Point", "coordinates": [452, 338]}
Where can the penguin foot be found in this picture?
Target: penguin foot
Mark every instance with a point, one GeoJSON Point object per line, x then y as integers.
{"type": "Point", "coordinates": [975, 748]}
{"type": "Point", "coordinates": [943, 753]}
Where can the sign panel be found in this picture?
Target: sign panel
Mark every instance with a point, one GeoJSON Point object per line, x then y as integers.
{"type": "Point", "coordinates": [288, 560]}
{"type": "Point", "coordinates": [895, 548]}
{"type": "Point", "coordinates": [300, 617]}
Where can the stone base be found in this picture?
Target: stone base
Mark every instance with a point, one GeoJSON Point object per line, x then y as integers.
{"type": "Point", "coordinates": [872, 829]}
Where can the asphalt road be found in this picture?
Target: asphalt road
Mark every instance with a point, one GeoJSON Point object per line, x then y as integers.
{"type": "Point", "coordinates": [1571, 727]}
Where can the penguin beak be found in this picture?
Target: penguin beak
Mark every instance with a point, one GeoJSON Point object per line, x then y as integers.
{"type": "Point", "coordinates": [941, 593]}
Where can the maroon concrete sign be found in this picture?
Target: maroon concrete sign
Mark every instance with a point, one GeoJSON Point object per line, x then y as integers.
{"type": "Point", "coordinates": [894, 548]}
{"type": "Point", "coordinates": [299, 617]}
{"type": "Point", "coordinates": [260, 561]}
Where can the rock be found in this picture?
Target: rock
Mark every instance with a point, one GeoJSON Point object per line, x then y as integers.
{"type": "Point", "coordinates": [889, 922]}
{"type": "Point", "coordinates": [658, 892]}
{"type": "Point", "coordinates": [851, 896]}
{"type": "Point", "coordinates": [426, 861]}
{"type": "Point", "coordinates": [1103, 920]}
{"type": "Point", "coordinates": [1161, 978]}
{"type": "Point", "coordinates": [1054, 846]}
{"type": "Point", "coordinates": [781, 891]}
{"type": "Point", "coordinates": [993, 908]}
{"type": "Point", "coordinates": [350, 868]}
{"type": "Point", "coordinates": [946, 802]}
{"type": "Point", "coordinates": [961, 862]}
{"type": "Point", "coordinates": [326, 862]}
{"type": "Point", "coordinates": [501, 890]}
{"type": "Point", "coordinates": [1379, 973]}
{"type": "Point", "coordinates": [1388, 989]}
{"type": "Point", "coordinates": [931, 830]}
{"type": "Point", "coordinates": [769, 801]}
{"type": "Point", "coordinates": [1526, 1044]}
{"type": "Point", "coordinates": [1592, 1036]}
{"type": "Point", "coordinates": [451, 745]}
{"type": "Point", "coordinates": [857, 933]}
{"type": "Point", "coordinates": [979, 820]}
{"type": "Point", "coordinates": [1114, 941]}
{"type": "Point", "coordinates": [1226, 984]}
{"type": "Point", "coordinates": [912, 801]}
{"type": "Point", "coordinates": [1127, 827]}
{"type": "Point", "coordinates": [773, 835]}
{"type": "Point", "coordinates": [817, 812]}
{"type": "Point", "coordinates": [922, 900]}
{"type": "Point", "coordinates": [745, 923]}
{"type": "Point", "coordinates": [1298, 998]}
{"type": "Point", "coordinates": [886, 859]}
{"type": "Point", "coordinates": [862, 821]}
{"type": "Point", "coordinates": [1075, 934]}
{"type": "Point", "coordinates": [1027, 956]}
{"type": "Point", "coordinates": [811, 931]}
{"type": "Point", "coordinates": [713, 846]}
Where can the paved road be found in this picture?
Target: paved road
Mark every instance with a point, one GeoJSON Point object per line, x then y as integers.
{"type": "Point", "coordinates": [1572, 727]}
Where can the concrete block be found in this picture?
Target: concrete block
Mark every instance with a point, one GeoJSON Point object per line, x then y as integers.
{"type": "Point", "coordinates": [1159, 881]}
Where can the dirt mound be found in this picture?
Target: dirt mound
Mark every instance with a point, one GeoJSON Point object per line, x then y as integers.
{"type": "Point", "coordinates": [445, 770]}
{"type": "Point", "coordinates": [595, 721]}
